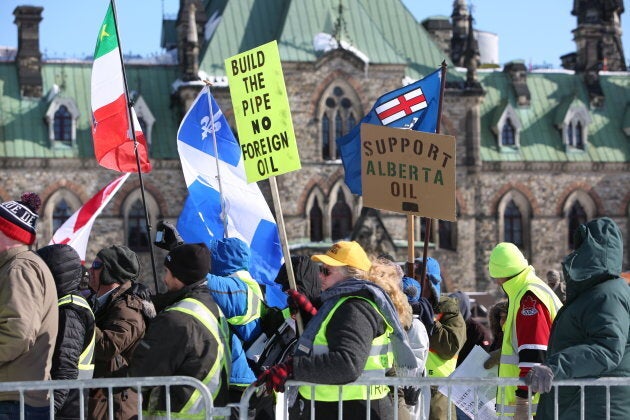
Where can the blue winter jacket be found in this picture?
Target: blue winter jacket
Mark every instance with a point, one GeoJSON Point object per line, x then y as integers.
{"type": "Point", "coordinates": [230, 259]}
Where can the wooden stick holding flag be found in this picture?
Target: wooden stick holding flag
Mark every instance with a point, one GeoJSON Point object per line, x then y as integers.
{"type": "Point", "coordinates": [119, 143]}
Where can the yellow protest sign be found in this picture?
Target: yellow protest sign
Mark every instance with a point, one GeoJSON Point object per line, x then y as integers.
{"type": "Point", "coordinates": [408, 171]}
{"type": "Point", "coordinates": [261, 109]}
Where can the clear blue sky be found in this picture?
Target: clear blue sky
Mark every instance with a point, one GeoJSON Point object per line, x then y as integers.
{"type": "Point", "coordinates": [537, 31]}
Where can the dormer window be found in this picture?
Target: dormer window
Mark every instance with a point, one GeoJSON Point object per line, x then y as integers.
{"type": "Point", "coordinates": [145, 116]}
{"type": "Point", "coordinates": [61, 117]}
{"type": "Point", "coordinates": [507, 128]}
{"type": "Point", "coordinates": [573, 119]}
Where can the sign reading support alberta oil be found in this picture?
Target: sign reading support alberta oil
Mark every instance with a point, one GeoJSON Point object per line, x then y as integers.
{"type": "Point", "coordinates": [261, 110]}
{"type": "Point", "coordinates": [408, 171]}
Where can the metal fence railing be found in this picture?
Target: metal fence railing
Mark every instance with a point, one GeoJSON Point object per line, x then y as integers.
{"type": "Point", "coordinates": [108, 384]}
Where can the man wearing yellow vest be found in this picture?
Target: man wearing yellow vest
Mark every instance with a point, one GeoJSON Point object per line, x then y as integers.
{"type": "Point", "coordinates": [188, 338]}
{"type": "Point", "coordinates": [531, 311]}
{"type": "Point", "coordinates": [74, 348]}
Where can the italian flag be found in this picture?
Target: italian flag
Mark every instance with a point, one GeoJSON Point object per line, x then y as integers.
{"type": "Point", "coordinates": [76, 230]}
{"type": "Point", "coordinates": [111, 130]}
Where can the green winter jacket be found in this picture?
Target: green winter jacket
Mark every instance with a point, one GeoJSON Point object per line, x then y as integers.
{"type": "Point", "coordinates": [590, 335]}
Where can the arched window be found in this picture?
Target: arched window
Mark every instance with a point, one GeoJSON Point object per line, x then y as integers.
{"type": "Point", "coordinates": [325, 137]}
{"type": "Point", "coordinates": [340, 218]}
{"type": "Point", "coordinates": [579, 138]}
{"type": "Point", "coordinates": [445, 235]}
{"type": "Point", "coordinates": [63, 124]}
{"type": "Point", "coordinates": [513, 225]}
{"type": "Point", "coordinates": [338, 112]}
{"type": "Point", "coordinates": [508, 137]}
{"type": "Point", "coordinates": [61, 213]}
{"type": "Point", "coordinates": [316, 219]}
{"type": "Point", "coordinates": [577, 216]}
{"type": "Point", "coordinates": [137, 238]}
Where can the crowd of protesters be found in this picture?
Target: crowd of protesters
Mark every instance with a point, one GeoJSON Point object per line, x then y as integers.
{"type": "Point", "coordinates": [361, 316]}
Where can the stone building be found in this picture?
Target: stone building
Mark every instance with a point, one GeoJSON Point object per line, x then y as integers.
{"type": "Point", "coordinates": [538, 152]}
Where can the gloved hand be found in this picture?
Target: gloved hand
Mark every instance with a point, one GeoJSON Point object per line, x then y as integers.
{"type": "Point", "coordinates": [539, 378]}
{"type": "Point", "coordinates": [166, 236]}
{"type": "Point", "coordinates": [495, 358]}
{"type": "Point", "coordinates": [297, 300]}
{"type": "Point", "coordinates": [275, 377]}
{"type": "Point", "coordinates": [522, 409]}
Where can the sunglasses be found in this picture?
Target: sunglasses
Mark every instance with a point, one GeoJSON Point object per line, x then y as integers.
{"type": "Point", "coordinates": [325, 271]}
{"type": "Point", "coordinates": [97, 264]}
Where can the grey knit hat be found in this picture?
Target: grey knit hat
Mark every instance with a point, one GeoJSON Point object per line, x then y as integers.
{"type": "Point", "coordinates": [120, 264]}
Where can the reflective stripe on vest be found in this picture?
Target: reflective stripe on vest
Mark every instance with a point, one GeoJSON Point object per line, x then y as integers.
{"type": "Point", "coordinates": [379, 361]}
{"type": "Point", "coordinates": [437, 367]}
{"type": "Point", "coordinates": [254, 299]}
{"type": "Point", "coordinates": [85, 365]}
{"type": "Point", "coordinates": [194, 407]}
{"type": "Point", "coordinates": [509, 366]}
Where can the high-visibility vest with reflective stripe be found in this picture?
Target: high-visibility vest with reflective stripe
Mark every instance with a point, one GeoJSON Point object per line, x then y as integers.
{"type": "Point", "coordinates": [86, 367]}
{"type": "Point", "coordinates": [437, 367]}
{"type": "Point", "coordinates": [254, 300]}
{"type": "Point", "coordinates": [379, 361]}
{"type": "Point", "coordinates": [516, 288]}
{"type": "Point", "coordinates": [194, 407]}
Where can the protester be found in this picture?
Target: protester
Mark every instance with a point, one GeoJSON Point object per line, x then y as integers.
{"type": "Point", "coordinates": [242, 301]}
{"type": "Point", "coordinates": [476, 333]}
{"type": "Point", "coordinates": [74, 349]}
{"type": "Point", "coordinates": [531, 310]}
{"type": "Point", "coordinates": [590, 337]}
{"type": "Point", "coordinates": [557, 284]}
{"type": "Point", "coordinates": [446, 339]}
{"type": "Point", "coordinates": [122, 309]}
{"type": "Point", "coordinates": [29, 313]}
{"type": "Point", "coordinates": [348, 337]}
{"type": "Point", "coordinates": [188, 338]}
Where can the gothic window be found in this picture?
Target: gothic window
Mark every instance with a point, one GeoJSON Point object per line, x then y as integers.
{"type": "Point", "coordinates": [507, 127]}
{"type": "Point", "coordinates": [63, 125]}
{"type": "Point", "coordinates": [446, 235]}
{"type": "Point", "coordinates": [61, 117]}
{"type": "Point", "coordinates": [574, 125]}
{"type": "Point", "coordinates": [340, 218]}
{"type": "Point", "coordinates": [316, 219]}
{"type": "Point", "coordinates": [508, 134]}
{"type": "Point", "coordinates": [135, 220]}
{"type": "Point", "coordinates": [575, 135]}
{"type": "Point", "coordinates": [61, 213]}
{"type": "Point", "coordinates": [577, 216]}
{"type": "Point", "coordinates": [513, 225]}
{"type": "Point", "coordinates": [339, 107]}
{"type": "Point", "coordinates": [145, 116]}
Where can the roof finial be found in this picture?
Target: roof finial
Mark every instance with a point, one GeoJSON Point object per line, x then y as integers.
{"type": "Point", "coordinates": [340, 26]}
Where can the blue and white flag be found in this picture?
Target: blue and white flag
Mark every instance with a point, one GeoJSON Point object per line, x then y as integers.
{"type": "Point", "coordinates": [414, 106]}
{"type": "Point", "coordinates": [246, 212]}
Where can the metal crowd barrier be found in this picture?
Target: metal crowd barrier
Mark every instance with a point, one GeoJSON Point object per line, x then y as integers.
{"type": "Point", "coordinates": [109, 384]}
{"type": "Point", "coordinates": [475, 383]}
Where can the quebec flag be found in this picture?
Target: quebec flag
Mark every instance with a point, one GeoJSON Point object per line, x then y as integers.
{"type": "Point", "coordinates": [414, 106]}
{"type": "Point", "coordinates": [245, 210]}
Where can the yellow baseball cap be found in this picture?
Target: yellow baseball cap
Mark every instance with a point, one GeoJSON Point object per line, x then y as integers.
{"type": "Point", "coordinates": [345, 253]}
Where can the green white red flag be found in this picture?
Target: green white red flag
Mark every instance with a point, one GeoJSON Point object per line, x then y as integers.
{"type": "Point", "coordinates": [111, 128]}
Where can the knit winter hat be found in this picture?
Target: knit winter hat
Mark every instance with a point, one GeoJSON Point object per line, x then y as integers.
{"type": "Point", "coordinates": [189, 262]}
{"type": "Point", "coordinates": [18, 218]}
{"type": "Point", "coordinates": [120, 264]}
{"type": "Point", "coordinates": [506, 261]}
{"type": "Point", "coordinates": [345, 253]}
{"type": "Point", "coordinates": [65, 265]}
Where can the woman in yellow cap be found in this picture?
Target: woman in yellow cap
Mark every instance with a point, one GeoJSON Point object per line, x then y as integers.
{"type": "Point", "coordinates": [532, 308]}
{"type": "Point", "coordinates": [356, 333]}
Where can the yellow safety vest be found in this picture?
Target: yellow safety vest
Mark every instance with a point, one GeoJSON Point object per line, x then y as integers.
{"type": "Point", "coordinates": [439, 368]}
{"type": "Point", "coordinates": [515, 288]}
{"type": "Point", "coordinates": [254, 300]}
{"type": "Point", "coordinates": [86, 367]}
{"type": "Point", "coordinates": [380, 360]}
{"type": "Point", "coordinates": [194, 408]}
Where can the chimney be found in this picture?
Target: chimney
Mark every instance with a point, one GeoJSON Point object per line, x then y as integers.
{"type": "Point", "coordinates": [29, 58]}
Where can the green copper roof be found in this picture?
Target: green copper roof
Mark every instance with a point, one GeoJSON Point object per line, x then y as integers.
{"type": "Point", "coordinates": [552, 94]}
{"type": "Point", "coordinates": [24, 133]}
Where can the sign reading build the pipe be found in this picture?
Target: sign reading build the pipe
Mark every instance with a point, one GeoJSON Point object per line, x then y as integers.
{"type": "Point", "coordinates": [261, 110]}
{"type": "Point", "coordinates": [408, 171]}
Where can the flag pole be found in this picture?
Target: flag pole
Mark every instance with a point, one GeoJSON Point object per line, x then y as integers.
{"type": "Point", "coordinates": [427, 220]}
{"type": "Point", "coordinates": [285, 247]}
{"type": "Point", "coordinates": [216, 160]}
{"type": "Point", "coordinates": [135, 145]}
